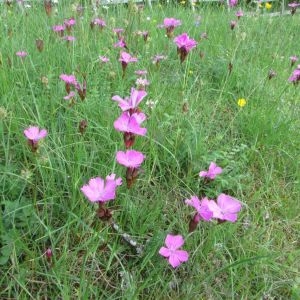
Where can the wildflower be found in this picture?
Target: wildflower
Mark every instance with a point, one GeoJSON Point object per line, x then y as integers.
{"type": "Point", "coordinates": [225, 209]}
{"type": "Point", "coordinates": [21, 54]}
{"type": "Point", "coordinates": [268, 5]}
{"type": "Point", "coordinates": [170, 24]}
{"type": "Point", "coordinates": [130, 125]}
{"type": "Point", "coordinates": [232, 24]}
{"type": "Point", "coordinates": [201, 207]}
{"type": "Point", "coordinates": [59, 29]}
{"type": "Point", "coordinates": [69, 24]}
{"type": "Point", "coordinates": [69, 38]}
{"type": "Point", "coordinates": [213, 171]}
{"type": "Point", "coordinates": [157, 58]}
{"type": "Point", "coordinates": [233, 3]}
{"type": "Point", "coordinates": [151, 104]}
{"type": "Point", "coordinates": [141, 72]}
{"type": "Point", "coordinates": [100, 190]}
{"type": "Point", "coordinates": [69, 81]}
{"type": "Point", "coordinates": [33, 135]}
{"type": "Point", "coordinates": [293, 6]}
{"type": "Point", "coordinates": [131, 103]}
{"type": "Point", "coordinates": [184, 45]}
{"type": "Point", "coordinates": [99, 22]}
{"type": "Point", "coordinates": [81, 90]}
{"type": "Point", "coordinates": [142, 83]}
{"type": "Point", "coordinates": [239, 14]}
{"type": "Point", "coordinates": [120, 44]}
{"type": "Point", "coordinates": [241, 102]}
{"type": "Point", "coordinates": [39, 44]}
{"type": "Point", "coordinates": [131, 159]}
{"type": "Point", "coordinates": [70, 96]}
{"type": "Point", "coordinates": [118, 32]}
{"type": "Point", "coordinates": [203, 36]}
{"type": "Point", "coordinates": [125, 59]}
{"type": "Point", "coordinates": [293, 60]}
{"type": "Point", "coordinates": [49, 253]}
{"type": "Point", "coordinates": [295, 78]}
{"type": "Point", "coordinates": [104, 59]}
{"type": "Point", "coordinates": [144, 34]}
{"type": "Point", "coordinates": [172, 252]}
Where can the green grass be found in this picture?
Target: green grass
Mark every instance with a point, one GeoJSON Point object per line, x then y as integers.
{"type": "Point", "coordinates": [257, 146]}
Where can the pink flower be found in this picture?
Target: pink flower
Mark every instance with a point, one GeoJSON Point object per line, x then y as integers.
{"type": "Point", "coordinates": [184, 45]}
{"type": "Point", "coordinates": [201, 207]}
{"type": "Point", "coordinates": [170, 24]}
{"type": "Point", "coordinates": [69, 38]}
{"type": "Point", "coordinates": [293, 59]}
{"type": "Point", "coordinates": [70, 96]}
{"type": "Point", "coordinates": [226, 208]}
{"type": "Point", "coordinates": [120, 44]}
{"type": "Point", "coordinates": [239, 14]}
{"type": "Point", "coordinates": [126, 58]}
{"type": "Point", "coordinates": [157, 58]}
{"type": "Point", "coordinates": [34, 134]}
{"type": "Point", "coordinates": [21, 53]}
{"type": "Point", "coordinates": [59, 29]}
{"type": "Point", "coordinates": [99, 22]}
{"type": "Point", "coordinates": [141, 72]}
{"type": "Point", "coordinates": [104, 59]}
{"type": "Point", "coordinates": [130, 158]}
{"type": "Point", "coordinates": [68, 79]}
{"type": "Point", "coordinates": [233, 3]}
{"type": "Point", "coordinates": [100, 190]}
{"type": "Point", "coordinates": [131, 123]}
{"type": "Point", "coordinates": [136, 97]}
{"type": "Point", "coordinates": [295, 78]}
{"type": "Point", "coordinates": [172, 252]}
{"type": "Point", "coordinates": [69, 23]}
{"type": "Point", "coordinates": [212, 172]}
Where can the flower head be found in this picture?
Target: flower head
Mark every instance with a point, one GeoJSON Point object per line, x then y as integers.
{"type": "Point", "coordinates": [241, 102]}
{"type": "Point", "coordinates": [103, 59]}
{"type": "Point", "coordinates": [59, 28]}
{"type": "Point", "coordinates": [172, 252]}
{"type": "Point", "coordinates": [226, 208]}
{"type": "Point", "coordinates": [184, 45]}
{"type": "Point", "coordinates": [131, 123]}
{"type": "Point", "coordinates": [136, 97]}
{"type": "Point", "coordinates": [130, 158]}
{"type": "Point", "coordinates": [99, 22]}
{"type": "Point", "coordinates": [201, 207]}
{"type": "Point", "coordinates": [239, 14]}
{"type": "Point", "coordinates": [295, 78]}
{"type": "Point", "coordinates": [21, 53]}
{"type": "Point", "coordinates": [68, 79]}
{"type": "Point", "coordinates": [34, 133]}
{"type": "Point", "coordinates": [157, 58]}
{"type": "Point", "coordinates": [127, 58]}
{"type": "Point", "coordinates": [213, 171]}
{"type": "Point", "coordinates": [100, 190]}
{"type": "Point", "coordinates": [293, 59]}
{"type": "Point", "coordinates": [268, 5]}
{"type": "Point", "coordinates": [232, 24]}
{"type": "Point", "coordinates": [233, 3]}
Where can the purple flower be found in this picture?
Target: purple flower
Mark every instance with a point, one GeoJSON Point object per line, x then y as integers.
{"type": "Point", "coordinates": [293, 6]}
{"type": "Point", "coordinates": [120, 44]}
{"type": "Point", "coordinates": [184, 45]}
{"type": "Point", "coordinates": [68, 79]}
{"type": "Point", "coordinates": [213, 171]}
{"type": "Point", "coordinates": [136, 97]}
{"type": "Point", "coordinates": [226, 208]}
{"type": "Point", "coordinates": [127, 58]}
{"type": "Point", "coordinates": [70, 96]}
{"type": "Point", "coordinates": [233, 3]}
{"type": "Point", "coordinates": [170, 24]}
{"type": "Point", "coordinates": [69, 23]}
{"type": "Point", "coordinates": [172, 252]}
{"type": "Point", "coordinates": [104, 59]}
{"type": "Point", "coordinates": [157, 58]}
{"type": "Point", "coordinates": [59, 29]}
{"type": "Point", "coordinates": [239, 14]}
{"type": "Point", "coordinates": [69, 38]}
{"type": "Point", "coordinates": [99, 22]}
{"type": "Point", "coordinates": [141, 72]}
{"type": "Point", "coordinates": [295, 78]}
{"type": "Point", "coordinates": [131, 123]}
{"type": "Point", "coordinates": [130, 158]}
{"type": "Point", "coordinates": [21, 54]}
{"type": "Point", "coordinates": [118, 32]}
{"type": "Point", "coordinates": [34, 134]}
{"type": "Point", "coordinates": [201, 207]}
{"type": "Point", "coordinates": [100, 190]}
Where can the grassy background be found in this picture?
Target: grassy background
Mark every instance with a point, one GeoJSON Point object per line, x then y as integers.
{"type": "Point", "coordinates": [257, 145]}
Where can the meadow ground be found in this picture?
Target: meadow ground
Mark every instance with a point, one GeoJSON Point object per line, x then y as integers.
{"type": "Point", "coordinates": [195, 116]}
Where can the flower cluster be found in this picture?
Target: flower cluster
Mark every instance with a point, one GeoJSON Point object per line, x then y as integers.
{"type": "Point", "coordinates": [71, 81]}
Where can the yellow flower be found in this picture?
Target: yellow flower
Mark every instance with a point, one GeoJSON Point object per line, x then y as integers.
{"type": "Point", "coordinates": [182, 2]}
{"type": "Point", "coordinates": [191, 72]}
{"type": "Point", "coordinates": [241, 102]}
{"type": "Point", "coordinates": [268, 5]}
